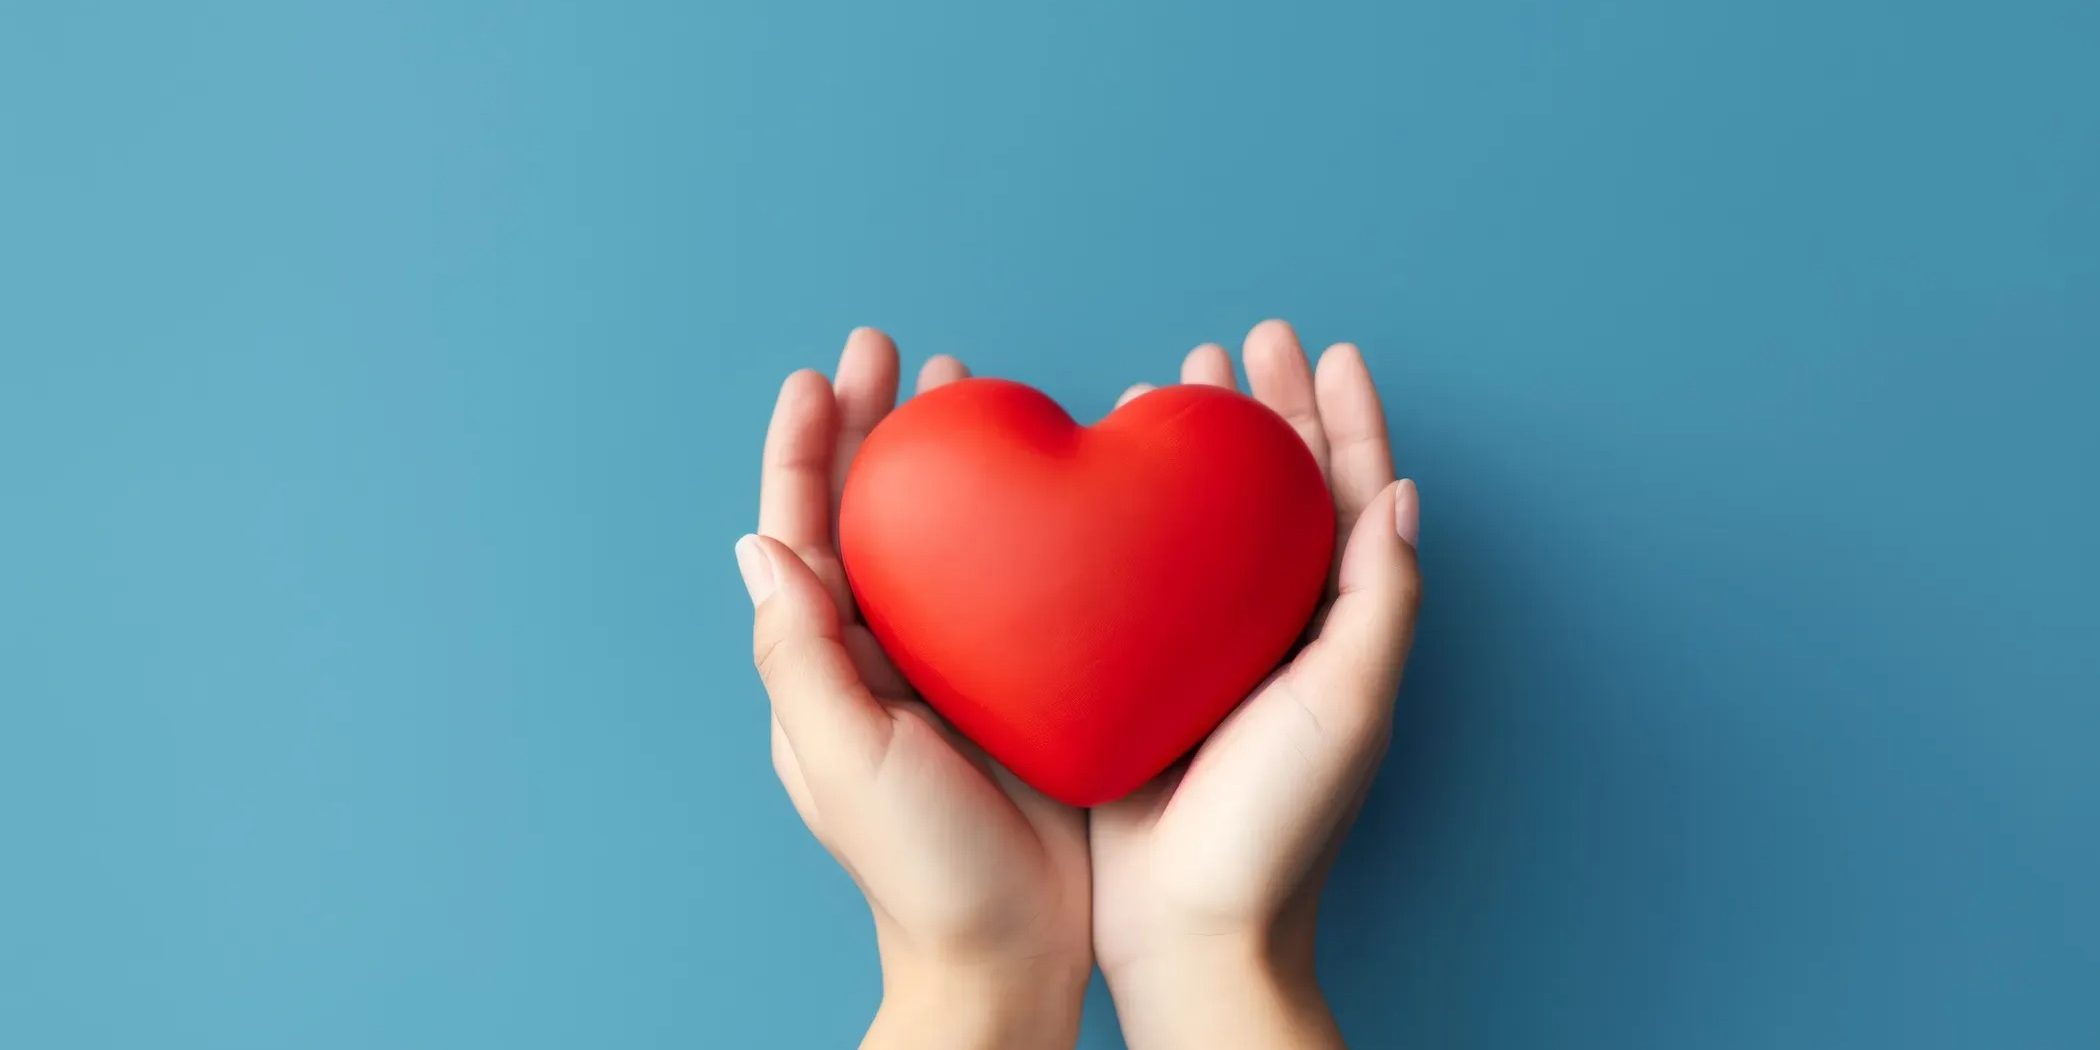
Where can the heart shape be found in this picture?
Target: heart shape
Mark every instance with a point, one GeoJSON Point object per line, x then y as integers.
{"type": "Point", "coordinates": [1085, 603]}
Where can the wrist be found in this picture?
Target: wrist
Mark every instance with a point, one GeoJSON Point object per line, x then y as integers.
{"type": "Point", "coordinates": [978, 1002]}
{"type": "Point", "coordinates": [1210, 991]}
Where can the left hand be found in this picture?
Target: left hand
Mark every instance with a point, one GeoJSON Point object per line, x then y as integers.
{"type": "Point", "coordinates": [1207, 881]}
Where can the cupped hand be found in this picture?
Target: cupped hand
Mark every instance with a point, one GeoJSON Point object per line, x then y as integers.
{"type": "Point", "coordinates": [979, 885]}
{"type": "Point", "coordinates": [1207, 881]}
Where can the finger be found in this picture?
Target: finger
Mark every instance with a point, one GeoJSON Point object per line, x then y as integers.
{"type": "Point", "coordinates": [1359, 458]}
{"type": "Point", "coordinates": [794, 488]}
{"type": "Point", "coordinates": [1136, 391]}
{"type": "Point", "coordinates": [1363, 645]}
{"type": "Point", "coordinates": [1208, 365]}
{"type": "Point", "coordinates": [1280, 378]}
{"type": "Point", "coordinates": [866, 390]}
{"type": "Point", "coordinates": [939, 371]}
{"type": "Point", "coordinates": [835, 727]}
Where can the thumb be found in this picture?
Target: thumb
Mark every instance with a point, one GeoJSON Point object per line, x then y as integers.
{"type": "Point", "coordinates": [1371, 626]}
{"type": "Point", "coordinates": [831, 720]}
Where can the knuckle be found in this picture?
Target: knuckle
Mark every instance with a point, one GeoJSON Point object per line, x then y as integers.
{"type": "Point", "coordinates": [769, 653]}
{"type": "Point", "coordinates": [824, 563]}
{"type": "Point", "coordinates": [1410, 594]}
{"type": "Point", "coordinates": [1407, 585]}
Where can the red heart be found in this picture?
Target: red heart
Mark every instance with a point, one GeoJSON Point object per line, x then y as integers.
{"type": "Point", "coordinates": [1085, 603]}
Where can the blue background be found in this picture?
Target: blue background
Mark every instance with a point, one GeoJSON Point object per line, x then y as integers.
{"type": "Point", "coordinates": [383, 386]}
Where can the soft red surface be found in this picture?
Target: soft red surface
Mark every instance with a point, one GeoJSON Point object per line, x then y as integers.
{"type": "Point", "coordinates": [1086, 603]}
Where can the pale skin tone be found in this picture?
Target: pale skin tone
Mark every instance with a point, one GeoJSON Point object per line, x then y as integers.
{"type": "Point", "coordinates": [1197, 895]}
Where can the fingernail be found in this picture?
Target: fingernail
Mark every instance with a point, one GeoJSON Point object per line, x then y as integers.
{"type": "Point", "coordinates": [757, 569]}
{"type": "Point", "coordinates": [1407, 511]}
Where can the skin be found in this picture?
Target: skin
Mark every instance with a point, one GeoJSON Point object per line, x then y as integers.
{"type": "Point", "coordinates": [1198, 895]}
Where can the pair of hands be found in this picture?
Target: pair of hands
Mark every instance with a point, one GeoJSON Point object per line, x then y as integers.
{"type": "Point", "coordinates": [1197, 895]}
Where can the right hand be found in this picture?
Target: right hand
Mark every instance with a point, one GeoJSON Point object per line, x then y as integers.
{"type": "Point", "coordinates": [978, 883]}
